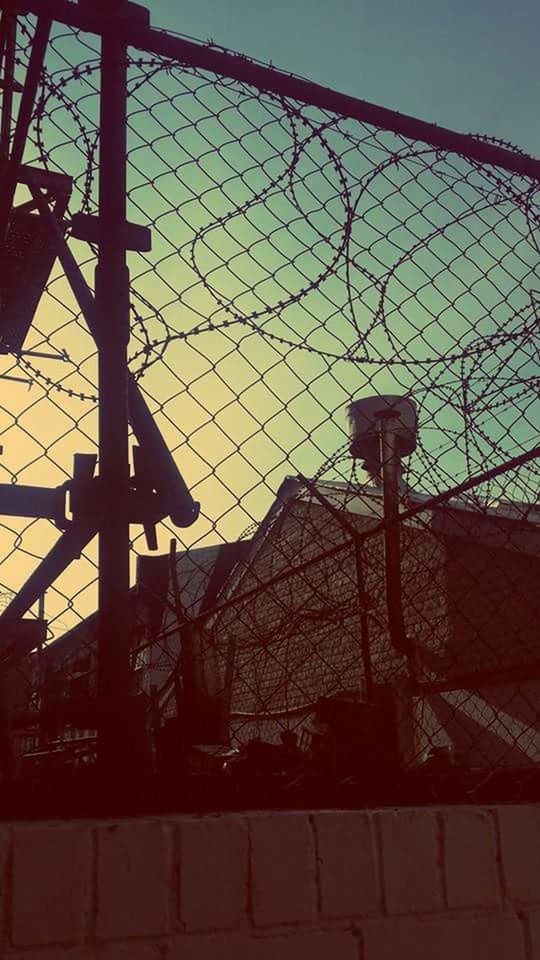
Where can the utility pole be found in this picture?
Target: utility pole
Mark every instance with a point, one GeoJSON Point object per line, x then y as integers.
{"type": "Point", "coordinates": [112, 308]}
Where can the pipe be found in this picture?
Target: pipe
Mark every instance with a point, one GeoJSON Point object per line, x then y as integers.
{"type": "Point", "coordinates": [391, 464]}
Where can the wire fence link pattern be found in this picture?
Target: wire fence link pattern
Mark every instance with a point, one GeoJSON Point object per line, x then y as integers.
{"type": "Point", "coordinates": [300, 260]}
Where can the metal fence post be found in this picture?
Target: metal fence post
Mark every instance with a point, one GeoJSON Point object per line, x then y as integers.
{"type": "Point", "coordinates": [112, 306]}
{"type": "Point", "coordinates": [364, 621]}
{"type": "Point", "coordinates": [391, 463]}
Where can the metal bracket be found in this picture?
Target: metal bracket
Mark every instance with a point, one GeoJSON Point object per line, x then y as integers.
{"type": "Point", "coordinates": [11, 85]}
{"type": "Point", "coordinates": [86, 497]}
{"type": "Point", "coordinates": [134, 236]}
{"type": "Point", "coordinates": [37, 502]}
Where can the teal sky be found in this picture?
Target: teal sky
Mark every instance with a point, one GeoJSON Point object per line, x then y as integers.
{"type": "Point", "coordinates": [266, 315]}
{"type": "Point", "coordinates": [469, 64]}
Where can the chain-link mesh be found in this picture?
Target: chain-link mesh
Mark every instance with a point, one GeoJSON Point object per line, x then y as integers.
{"type": "Point", "coordinates": [300, 260]}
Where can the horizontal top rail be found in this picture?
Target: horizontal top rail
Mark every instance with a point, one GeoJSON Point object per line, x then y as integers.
{"type": "Point", "coordinates": [242, 68]}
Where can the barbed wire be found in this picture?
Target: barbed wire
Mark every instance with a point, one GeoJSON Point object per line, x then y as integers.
{"type": "Point", "coordinates": [300, 260]}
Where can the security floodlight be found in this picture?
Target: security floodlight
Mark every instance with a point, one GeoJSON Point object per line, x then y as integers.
{"type": "Point", "coordinates": [383, 430]}
{"type": "Point", "coordinates": [365, 416]}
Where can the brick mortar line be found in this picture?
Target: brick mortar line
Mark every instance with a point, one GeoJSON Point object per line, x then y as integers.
{"type": "Point", "coordinates": [379, 863]}
{"type": "Point", "coordinates": [176, 820]}
{"type": "Point", "coordinates": [175, 892]}
{"type": "Point", "coordinates": [163, 944]}
{"type": "Point", "coordinates": [7, 893]}
{"type": "Point", "coordinates": [93, 889]}
{"type": "Point", "coordinates": [249, 876]}
{"type": "Point", "coordinates": [440, 825]}
{"type": "Point", "coordinates": [526, 934]}
{"type": "Point", "coordinates": [318, 861]}
{"type": "Point", "coordinates": [492, 815]}
{"type": "Point", "coordinates": [358, 935]}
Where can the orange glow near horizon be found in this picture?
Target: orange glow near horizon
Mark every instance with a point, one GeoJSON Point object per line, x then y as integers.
{"type": "Point", "coordinates": [296, 265]}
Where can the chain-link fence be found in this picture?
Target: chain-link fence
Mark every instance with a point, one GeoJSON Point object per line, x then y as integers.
{"type": "Point", "coordinates": [301, 260]}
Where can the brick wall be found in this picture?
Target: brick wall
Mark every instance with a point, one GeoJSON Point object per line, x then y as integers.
{"type": "Point", "coordinates": [469, 604]}
{"type": "Point", "coordinates": [415, 883]}
{"type": "Point", "coordinates": [300, 639]}
{"type": "Point", "coordinates": [494, 607]}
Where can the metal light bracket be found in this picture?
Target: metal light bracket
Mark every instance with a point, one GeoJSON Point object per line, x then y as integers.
{"type": "Point", "coordinates": [26, 258]}
{"type": "Point", "coordinates": [135, 236]}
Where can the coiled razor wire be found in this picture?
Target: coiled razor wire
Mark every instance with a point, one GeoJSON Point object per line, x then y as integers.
{"type": "Point", "coordinates": [300, 260]}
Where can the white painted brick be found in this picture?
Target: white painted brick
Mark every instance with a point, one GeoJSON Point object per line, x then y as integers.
{"type": "Point", "coordinates": [127, 951]}
{"type": "Point", "coordinates": [214, 873]}
{"type": "Point", "coordinates": [54, 953]}
{"type": "Point", "coordinates": [458, 937]}
{"type": "Point", "coordinates": [313, 946]}
{"type": "Point", "coordinates": [346, 857]}
{"type": "Point", "coordinates": [470, 859]}
{"type": "Point", "coordinates": [113, 951]}
{"type": "Point", "coordinates": [58, 953]}
{"type": "Point", "coordinates": [222, 947]}
{"type": "Point", "coordinates": [294, 946]}
{"type": "Point", "coordinates": [410, 861]}
{"type": "Point", "coordinates": [5, 844]}
{"type": "Point", "coordinates": [134, 879]}
{"type": "Point", "coordinates": [532, 919]}
{"type": "Point", "coordinates": [520, 852]}
{"type": "Point", "coordinates": [51, 884]}
{"type": "Point", "coordinates": [282, 869]}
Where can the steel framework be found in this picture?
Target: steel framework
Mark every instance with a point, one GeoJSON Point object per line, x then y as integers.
{"type": "Point", "coordinates": [481, 175]}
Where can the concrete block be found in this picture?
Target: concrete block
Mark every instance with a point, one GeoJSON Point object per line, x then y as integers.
{"type": "Point", "coordinates": [213, 873]}
{"type": "Point", "coordinates": [470, 859]}
{"type": "Point", "coordinates": [135, 878]}
{"type": "Point", "coordinates": [331, 945]}
{"type": "Point", "coordinates": [54, 953]}
{"type": "Point", "coordinates": [51, 884]}
{"type": "Point", "coordinates": [5, 845]}
{"type": "Point", "coordinates": [410, 861]}
{"type": "Point", "coordinates": [532, 921]}
{"type": "Point", "coordinates": [458, 937]}
{"type": "Point", "coordinates": [113, 951]}
{"type": "Point", "coordinates": [127, 951]}
{"type": "Point", "coordinates": [282, 869]}
{"type": "Point", "coordinates": [519, 828]}
{"type": "Point", "coordinates": [347, 862]}
{"type": "Point", "coordinates": [293, 946]}
{"type": "Point", "coordinates": [216, 947]}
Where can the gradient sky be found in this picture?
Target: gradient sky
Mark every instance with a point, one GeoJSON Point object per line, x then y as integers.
{"type": "Point", "coordinates": [469, 65]}
{"type": "Point", "coordinates": [471, 71]}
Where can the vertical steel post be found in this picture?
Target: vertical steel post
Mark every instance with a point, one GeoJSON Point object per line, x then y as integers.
{"type": "Point", "coordinates": [402, 685]}
{"type": "Point", "coordinates": [41, 673]}
{"type": "Point", "coordinates": [24, 117]}
{"type": "Point", "coordinates": [364, 623]}
{"type": "Point", "coordinates": [112, 308]}
{"type": "Point", "coordinates": [9, 39]}
{"type": "Point", "coordinates": [391, 463]}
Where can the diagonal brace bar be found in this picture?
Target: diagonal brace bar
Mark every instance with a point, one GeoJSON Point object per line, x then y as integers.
{"type": "Point", "coordinates": [166, 477]}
